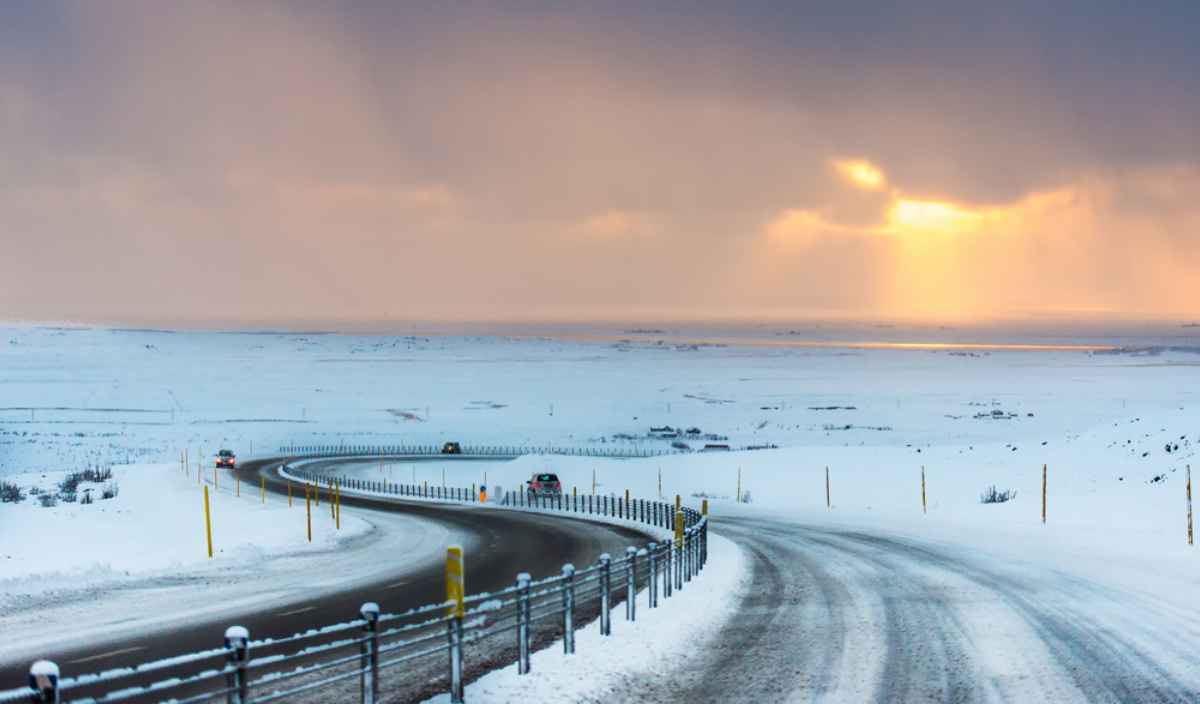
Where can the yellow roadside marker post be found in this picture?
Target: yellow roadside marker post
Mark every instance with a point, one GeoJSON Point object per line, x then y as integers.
{"type": "Point", "coordinates": [207, 523]}
{"type": "Point", "coordinates": [337, 501]}
{"type": "Point", "coordinates": [308, 510]}
{"type": "Point", "coordinates": [678, 547]}
{"type": "Point", "coordinates": [289, 493]}
{"type": "Point", "coordinates": [704, 508]}
{"type": "Point", "coordinates": [262, 488]}
{"type": "Point", "coordinates": [455, 610]}
{"type": "Point", "coordinates": [237, 481]}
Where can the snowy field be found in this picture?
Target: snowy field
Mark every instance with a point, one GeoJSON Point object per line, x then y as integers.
{"type": "Point", "coordinates": [71, 397]}
{"type": "Point", "coordinates": [972, 417]}
{"type": "Point", "coordinates": [1117, 432]}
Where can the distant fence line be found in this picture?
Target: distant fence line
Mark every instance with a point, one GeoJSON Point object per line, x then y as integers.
{"type": "Point", "coordinates": [471, 451]}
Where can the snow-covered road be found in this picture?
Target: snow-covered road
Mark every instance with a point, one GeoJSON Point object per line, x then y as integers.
{"type": "Point", "coordinates": [839, 615]}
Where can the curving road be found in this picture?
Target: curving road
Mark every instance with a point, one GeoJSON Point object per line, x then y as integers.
{"type": "Point", "coordinates": [836, 615]}
{"type": "Point", "coordinates": [499, 544]}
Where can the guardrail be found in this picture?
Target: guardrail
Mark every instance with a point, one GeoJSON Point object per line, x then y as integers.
{"type": "Point", "coordinates": [376, 647]}
{"type": "Point", "coordinates": [470, 451]}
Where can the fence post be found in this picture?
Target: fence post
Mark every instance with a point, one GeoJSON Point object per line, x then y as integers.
{"type": "Point", "coordinates": [687, 554]}
{"type": "Point", "coordinates": [523, 613]}
{"type": "Point", "coordinates": [605, 574]}
{"type": "Point", "coordinates": [370, 652]}
{"type": "Point", "coordinates": [678, 550]}
{"type": "Point", "coordinates": [631, 554]}
{"type": "Point", "coordinates": [454, 630]}
{"type": "Point", "coordinates": [568, 601]}
{"type": "Point", "coordinates": [652, 576]}
{"type": "Point", "coordinates": [43, 680]}
{"type": "Point", "coordinates": [237, 643]}
{"type": "Point", "coordinates": [455, 593]}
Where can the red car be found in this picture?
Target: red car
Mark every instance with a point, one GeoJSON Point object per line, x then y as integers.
{"type": "Point", "coordinates": [226, 458]}
{"type": "Point", "coordinates": [544, 484]}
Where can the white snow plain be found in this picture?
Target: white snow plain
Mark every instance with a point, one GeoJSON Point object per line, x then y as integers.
{"type": "Point", "coordinates": [79, 572]}
{"type": "Point", "coordinates": [1101, 422]}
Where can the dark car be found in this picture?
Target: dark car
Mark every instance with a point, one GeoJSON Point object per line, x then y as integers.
{"type": "Point", "coordinates": [544, 484]}
{"type": "Point", "coordinates": [226, 458]}
{"type": "Point", "coordinates": [451, 448]}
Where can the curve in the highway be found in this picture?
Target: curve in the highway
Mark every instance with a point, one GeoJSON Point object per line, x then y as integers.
{"type": "Point", "coordinates": [839, 615]}
{"type": "Point", "coordinates": [510, 542]}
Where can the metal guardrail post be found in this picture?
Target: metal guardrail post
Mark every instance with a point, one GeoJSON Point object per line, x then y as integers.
{"type": "Point", "coordinates": [237, 643]}
{"type": "Point", "coordinates": [43, 681]}
{"type": "Point", "coordinates": [668, 568]}
{"type": "Point", "coordinates": [454, 633]}
{"type": "Point", "coordinates": [568, 602]}
{"type": "Point", "coordinates": [605, 574]}
{"type": "Point", "coordinates": [652, 575]}
{"type": "Point", "coordinates": [523, 613]}
{"type": "Point", "coordinates": [687, 554]}
{"type": "Point", "coordinates": [370, 653]}
{"type": "Point", "coordinates": [631, 554]}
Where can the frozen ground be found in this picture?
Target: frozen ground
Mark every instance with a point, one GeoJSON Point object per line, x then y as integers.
{"type": "Point", "coordinates": [1102, 586]}
{"type": "Point", "coordinates": [138, 562]}
{"type": "Point", "coordinates": [74, 396]}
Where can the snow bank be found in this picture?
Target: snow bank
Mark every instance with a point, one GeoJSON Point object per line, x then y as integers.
{"type": "Point", "coordinates": [154, 524]}
{"type": "Point", "coordinates": [673, 634]}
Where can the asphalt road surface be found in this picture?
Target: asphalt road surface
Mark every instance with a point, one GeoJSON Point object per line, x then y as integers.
{"type": "Point", "coordinates": [835, 615]}
{"type": "Point", "coordinates": [515, 542]}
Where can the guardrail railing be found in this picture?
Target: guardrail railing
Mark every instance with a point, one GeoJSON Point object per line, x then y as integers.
{"type": "Point", "coordinates": [430, 645]}
{"type": "Point", "coordinates": [498, 451]}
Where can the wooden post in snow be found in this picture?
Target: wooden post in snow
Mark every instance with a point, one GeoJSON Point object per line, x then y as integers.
{"type": "Point", "coordinates": [1043, 494]}
{"type": "Point", "coordinates": [924, 505]}
{"type": "Point", "coordinates": [828, 501]}
{"type": "Point", "coordinates": [1189, 502]}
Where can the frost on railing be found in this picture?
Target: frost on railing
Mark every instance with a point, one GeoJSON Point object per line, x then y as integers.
{"type": "Point", "coordinates": [323, 656]}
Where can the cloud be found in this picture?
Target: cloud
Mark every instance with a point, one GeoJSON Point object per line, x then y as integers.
{"type": "Point", "coordinates": [312, 158]}
{"type": "Point", "coordinates": [1101, 243]}
{"type": "Point", "coordinates": [614, 224]}
{"type": "Point", "coordinates": [860, 173]}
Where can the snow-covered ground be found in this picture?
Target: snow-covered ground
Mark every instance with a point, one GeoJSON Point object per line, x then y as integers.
{"type": "Point", "coordinates": [155, 523]}
{"type": "Point", "coordinates": [875, 416]}
{"type": "Point", "coordinates": [78, 396]}
{"type": "Point", "coordinates": [602, 666]}
{"type": "Point", "coordinates": [77, 572]}
{"type": "Point", "coordinates": [1117, 432]}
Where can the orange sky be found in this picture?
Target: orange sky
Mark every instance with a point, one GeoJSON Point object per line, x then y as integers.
{"type": "Point", "coordinates": [280, 162]}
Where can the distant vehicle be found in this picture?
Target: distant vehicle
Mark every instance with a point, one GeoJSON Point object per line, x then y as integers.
{"type": "Point", "coordinates": [715, 447]}
{"type": "Point", "coordinates": [544, 484]}
{"type": "Point", "coordinates": [451, 448]}
{"type": "Point", "coordinates": [226, 458]}
{"type": "Point", "coordinates": [680, 445]}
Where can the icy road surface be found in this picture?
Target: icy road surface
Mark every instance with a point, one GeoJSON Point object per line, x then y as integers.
{"type": "Point", "coordinates": [839, 615]}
